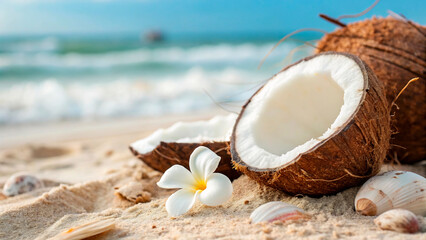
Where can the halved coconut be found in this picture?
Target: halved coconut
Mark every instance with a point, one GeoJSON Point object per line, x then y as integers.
{"type": "Point", "coordinates": [174, 145]}
{"type": "Point", "coordinates": [319, 126]}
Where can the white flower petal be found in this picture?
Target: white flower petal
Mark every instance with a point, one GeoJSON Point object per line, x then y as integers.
{"type": "Point", "coordinates": [177, 177]}
{"type": "Point", "coordinates": [180, 202]}
{"type": "Point", "coordinates": [218, 190]}
{"type": "Point", "coordinates": [203, 162]}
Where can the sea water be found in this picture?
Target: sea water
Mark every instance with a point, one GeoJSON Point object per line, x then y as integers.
{"type": "Point", "coordinates": [53, 78]}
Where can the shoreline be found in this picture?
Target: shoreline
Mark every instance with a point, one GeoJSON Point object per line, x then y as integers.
{"type": "Point", "coordinates": [87, 130]}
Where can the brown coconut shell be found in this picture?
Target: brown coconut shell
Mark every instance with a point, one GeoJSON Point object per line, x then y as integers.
{"type": "Point", "coordinates": [167, 154]}
{"type": "Point", "coordinates": [396, 51]}
{"type": "Point", "coordinates": [347, 158]}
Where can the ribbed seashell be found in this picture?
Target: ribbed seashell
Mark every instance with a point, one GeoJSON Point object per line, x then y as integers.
{"type": "Point", "coordinates": [277, 211]}
{"type": "Point", "coordinates": [394, 189]}
{"type": "Point", "coordinates": [398, 220]}
{"type": "Point", "coordinates": [21, 183]}
{"type": "Point", "coordinates": [86, 230]}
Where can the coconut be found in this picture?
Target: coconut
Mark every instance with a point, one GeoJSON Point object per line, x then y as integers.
{"type": "Point", "coordinates": [319, 126]}
{"type": "Point", "coordinates": [396, 51]}
{"type": "Point", "coordinates": [174, 145]}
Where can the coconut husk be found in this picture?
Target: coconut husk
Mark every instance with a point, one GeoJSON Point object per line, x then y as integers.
{"type": "Point", "coordinates": [396, 51]}
{"type": "Point", "coordinates": [347, 158]}
{"type": "Point", "coordinates": [167, 154]}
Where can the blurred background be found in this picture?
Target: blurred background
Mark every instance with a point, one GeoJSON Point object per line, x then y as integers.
{"type": "Point", "coordinates": [98, 59]}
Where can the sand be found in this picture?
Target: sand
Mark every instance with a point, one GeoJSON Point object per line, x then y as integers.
{"type": "Point", "coordinates": [90, 175]}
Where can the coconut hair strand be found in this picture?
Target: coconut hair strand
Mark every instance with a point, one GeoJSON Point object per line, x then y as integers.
{"type": "Point", "coordinates": [287, 36]}
{"type": "Point", "coordinates": [339, 23]}
{"type": "Point", "coordinates": [402, 90]}
{"type": "Point", "coordinates": [361, 13]}
{"type": "Point", "coordinates": [217, 103]}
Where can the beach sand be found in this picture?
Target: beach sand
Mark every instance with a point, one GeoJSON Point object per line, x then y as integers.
{"type": "Point", "coordinates": [85, 165]}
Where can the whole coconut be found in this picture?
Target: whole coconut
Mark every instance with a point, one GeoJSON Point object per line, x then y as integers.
{"type": "Point", "coordinates": [396, 51]}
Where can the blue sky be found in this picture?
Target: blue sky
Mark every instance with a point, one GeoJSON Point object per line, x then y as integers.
{"type": "Point", "coordinates": [176, 16]}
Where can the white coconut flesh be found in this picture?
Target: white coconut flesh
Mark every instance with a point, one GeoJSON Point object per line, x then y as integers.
{"type": "Point", "coordinates": [297, 109]}
{"type": "Point", "coordinates": [217, 129]}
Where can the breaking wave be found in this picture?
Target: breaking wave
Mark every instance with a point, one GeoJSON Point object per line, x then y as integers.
{"type": "Point", "coordinates": [54, 78]}
{"type": "Point", "coordinates": [219, 54]}
{"type": "Point", "coordinates": [54, 100]}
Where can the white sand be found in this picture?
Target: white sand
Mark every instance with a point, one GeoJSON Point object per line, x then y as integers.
{"type": "Point", "coordinates": [83, 170]}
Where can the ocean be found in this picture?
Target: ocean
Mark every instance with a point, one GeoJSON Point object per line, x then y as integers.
{"type": "Point", "coordinates": [56, 78]}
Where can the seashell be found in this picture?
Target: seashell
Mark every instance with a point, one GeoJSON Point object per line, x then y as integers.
{"type": "Point", "coordinates": [277, 211]}
{"type": "Point", "coordinates": [398, 220]}
{"type": "Point", "coordinates": [21, 183]}
{"type": "Point", "coordinates": [394, 189]}
{"type": "Point", "coordinates": [134, 192]}
{"type": "Point", "coordinates": [86, 230]}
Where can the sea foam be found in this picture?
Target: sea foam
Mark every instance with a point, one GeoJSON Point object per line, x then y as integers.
{"type": "Point", "coordinates": [55, 100]}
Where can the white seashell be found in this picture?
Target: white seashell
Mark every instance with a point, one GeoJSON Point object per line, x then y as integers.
{"type": "Point", "coordinates": [277, 211]}
{"type": "Point", "coordinates": [398, 220]}
{"type": "Point", "coordinates": [394, 189]}
{"type": "Point", "coordinates": [86, 230]}
{"type": "Point", "coordinates": [21, 183]}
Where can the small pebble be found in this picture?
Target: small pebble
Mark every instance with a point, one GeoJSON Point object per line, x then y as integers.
{"type": "Point", "coordinates": [144, 175]}
{"type": "Point", "coordinates": [2, 196]}
{"type": "Point", "coordinates": [21, 183]}
{"type": "Point", "coordinates": [155, 205]}
{"type": "Point", "coordinates": [335, 235]}
{"type": "Point", "coordinates": [267, 230]}
{"type": "Point", "coordinates": [109, 153]}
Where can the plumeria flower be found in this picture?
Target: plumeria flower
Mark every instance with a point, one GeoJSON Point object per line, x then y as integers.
{"type": "Point", "coordinates": [212, 189]}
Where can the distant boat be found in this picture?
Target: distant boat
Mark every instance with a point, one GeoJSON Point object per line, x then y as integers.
{"type": "Point", "coordinates": [154, 36]}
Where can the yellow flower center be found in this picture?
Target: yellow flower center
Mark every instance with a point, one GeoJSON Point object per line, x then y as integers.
{"type": "Point", "coordinates": [200, 185]}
